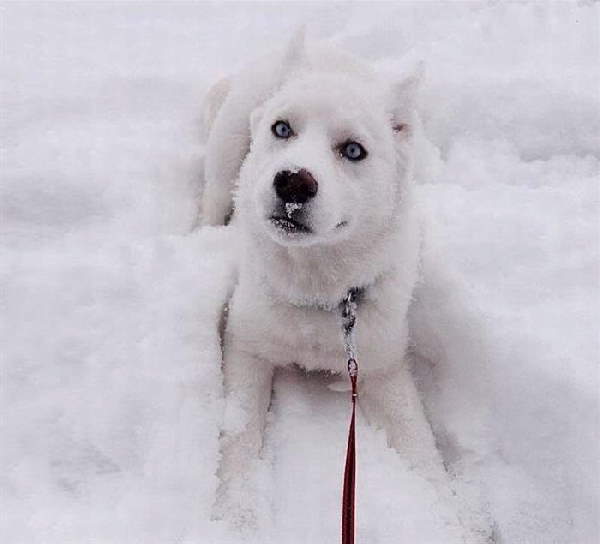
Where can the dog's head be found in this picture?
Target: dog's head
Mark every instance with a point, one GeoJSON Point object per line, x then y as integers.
{"type": "Point", "coordinates": [329, 156]}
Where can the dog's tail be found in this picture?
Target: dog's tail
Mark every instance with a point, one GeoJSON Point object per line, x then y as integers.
{"type": "Point", "coordinates": [214, 99]}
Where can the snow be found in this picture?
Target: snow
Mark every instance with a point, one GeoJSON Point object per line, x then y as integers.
{"type": "Point", "coordinates": [291, 207]}
{"type": "Point", "coordinates": [111, 381]}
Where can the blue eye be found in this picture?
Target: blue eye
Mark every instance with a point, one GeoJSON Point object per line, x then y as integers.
{"type": "Point", "coordinates": [282, 129]}
{"type": "Point", "coordinates": [353, 151]}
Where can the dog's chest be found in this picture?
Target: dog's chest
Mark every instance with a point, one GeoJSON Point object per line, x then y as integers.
{"type": "Point", "coordinates": [308, 337]}
{"type": "Point", "coordinates": [312, 338]}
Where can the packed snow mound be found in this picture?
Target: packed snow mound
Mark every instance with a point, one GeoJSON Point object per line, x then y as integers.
{"type": "Point", "coordinates": [111, 384]}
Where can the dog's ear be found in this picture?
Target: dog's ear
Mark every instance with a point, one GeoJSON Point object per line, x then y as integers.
{"type": "Point", "coordinates": [294, 56]}
{"type": "Point", "coordinates": [403, 99]}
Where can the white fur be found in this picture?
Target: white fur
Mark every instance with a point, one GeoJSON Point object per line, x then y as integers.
{"type": "Point", "coordinates": [230, 102]}
{"type": "Point", "coordinates": [284, 309]}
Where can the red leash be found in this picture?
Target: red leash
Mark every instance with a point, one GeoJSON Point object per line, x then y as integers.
{"type": "Point", "coordinates": [348, 321]}
{"type": "Point", "coordinates": [350, 468]}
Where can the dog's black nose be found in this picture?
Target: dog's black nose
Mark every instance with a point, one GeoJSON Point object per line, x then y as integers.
{"type": "Point", "coordinates": [298, 187]}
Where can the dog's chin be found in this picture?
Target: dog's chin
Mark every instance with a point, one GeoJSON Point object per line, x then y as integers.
{"type": "Point", "coordinates": [288, 231]}
{"type": "Point", "coordinates": [291, 232]}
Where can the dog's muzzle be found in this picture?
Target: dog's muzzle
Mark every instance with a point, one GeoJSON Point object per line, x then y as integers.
{"type": "Point", "coordinates": [293, 190]}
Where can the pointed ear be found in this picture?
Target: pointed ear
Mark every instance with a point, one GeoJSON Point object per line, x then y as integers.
{"type": "Point", "coordinates": [293, 58]}
{"type": "Point", "coordinates": [404, 97]}
{"type": "Point", "coordinates": [295, 54]}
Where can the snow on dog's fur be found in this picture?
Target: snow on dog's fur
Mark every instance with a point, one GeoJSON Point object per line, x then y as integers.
{"type": "Point", "coordinates": [323, 204]}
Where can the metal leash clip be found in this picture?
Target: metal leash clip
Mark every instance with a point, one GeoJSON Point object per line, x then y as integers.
{"type": "Point", "coordinates": [352, 367]}
{"type": "Point", "coordinates": [348, 314]}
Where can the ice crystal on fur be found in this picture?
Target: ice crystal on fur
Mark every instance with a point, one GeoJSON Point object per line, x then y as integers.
{"type": "Point", "coordinates": [291, 207]}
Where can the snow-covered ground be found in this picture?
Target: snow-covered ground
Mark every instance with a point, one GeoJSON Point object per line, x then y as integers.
{"type": "Point", "coordinates": [110, 388]}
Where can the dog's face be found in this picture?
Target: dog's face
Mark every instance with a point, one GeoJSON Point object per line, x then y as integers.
{"type": "Point", "coordinates": [327, 160]}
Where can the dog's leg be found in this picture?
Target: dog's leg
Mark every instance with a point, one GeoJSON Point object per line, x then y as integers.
{"type": "Point", "coordinates": [248, 382]}
{"type": "Point", "coordinates": [391, 400]}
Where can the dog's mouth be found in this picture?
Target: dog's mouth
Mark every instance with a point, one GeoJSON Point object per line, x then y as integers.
{"type": "Point", "coordinates": [289, 225]}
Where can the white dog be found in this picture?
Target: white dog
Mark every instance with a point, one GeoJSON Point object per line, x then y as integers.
{"type": "Point", "coordinates": [323, 204]}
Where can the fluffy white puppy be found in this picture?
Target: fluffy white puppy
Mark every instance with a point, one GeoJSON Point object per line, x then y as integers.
{"type": "Point", "coordinates": [323, 204]}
